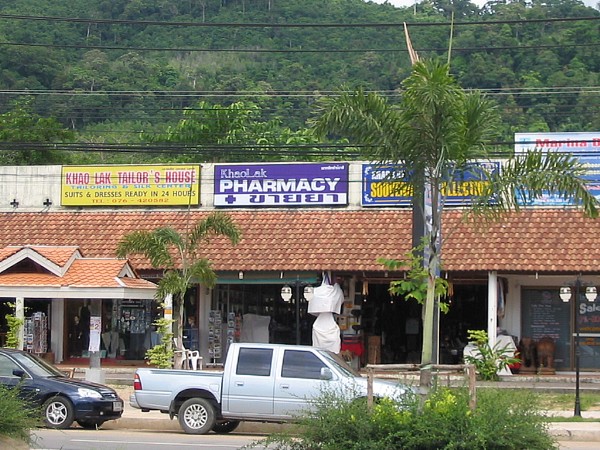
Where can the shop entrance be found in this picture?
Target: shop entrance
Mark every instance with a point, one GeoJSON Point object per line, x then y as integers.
{"type": "Point", "coordinates": [272, 318]}
{"type": "Point", "coordinates": [399, 323]}
{"type": "Point", "coordinates": [126, 329]}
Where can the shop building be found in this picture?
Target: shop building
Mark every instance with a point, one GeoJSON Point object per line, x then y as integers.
{"type": "Point", "coordinates": [505, 274]}
{"type": "Point", "coordinates": [67, 300]}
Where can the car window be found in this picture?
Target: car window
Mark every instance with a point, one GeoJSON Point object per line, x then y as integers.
{"type": "Point", "coordinates": [6, 366]}
{"type": "Point", "coordinates": [254, 361]}
{"type": "Point", "coordinates": [37, 366]}
{"type": "Point", "coordinates": [301, 364]}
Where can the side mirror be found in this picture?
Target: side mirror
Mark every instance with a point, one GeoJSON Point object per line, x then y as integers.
{"type": "Point", "coordinates": [326, 373]}
{"type": "Point", "coordinates": [18, 373]}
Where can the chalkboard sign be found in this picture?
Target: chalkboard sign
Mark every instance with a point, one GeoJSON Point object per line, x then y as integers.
{"type": "Point", "coordinates": [543, 314]}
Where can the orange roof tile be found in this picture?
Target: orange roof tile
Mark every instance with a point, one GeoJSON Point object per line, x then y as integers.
{"type": "Point", "coordinates": [56, 254]}
{"type": "Point", "coordinates": [543, 240]}
{"type": "Point", "coordinates": [97, 273]}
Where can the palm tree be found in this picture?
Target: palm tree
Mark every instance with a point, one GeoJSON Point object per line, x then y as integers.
{"type": "Point", "coordinates": [178, 254]}
{"type": "Point", "coordinates": [439, 129]}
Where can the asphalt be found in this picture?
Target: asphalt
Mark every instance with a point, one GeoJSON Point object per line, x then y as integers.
{"type": "Point", "coordinates": [122, 380]}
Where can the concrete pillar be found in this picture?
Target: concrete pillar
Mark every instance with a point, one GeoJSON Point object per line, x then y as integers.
{"type": "Point", "coordinates": [20, 314]}
{"type": "Point", "coordinates": [57, 328]}
{"type": "Point", "coordinates": [95, 373]}
{"type": "Point", "coordinates": [492, 307]}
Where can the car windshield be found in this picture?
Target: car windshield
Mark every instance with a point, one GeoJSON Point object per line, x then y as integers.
{"type": "Point", "coordinates": [339, 363]}
{"type": "Point", "coordinates": [36, 366]}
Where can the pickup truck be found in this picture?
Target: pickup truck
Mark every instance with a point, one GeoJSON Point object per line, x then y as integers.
{"type": "Point", "coordinates": [259, 382]}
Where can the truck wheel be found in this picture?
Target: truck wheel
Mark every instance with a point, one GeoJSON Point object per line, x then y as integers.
{"type": "Point", "coordinates": [226, 426]}
{"type": "Point", "coordinates": [197, 416]}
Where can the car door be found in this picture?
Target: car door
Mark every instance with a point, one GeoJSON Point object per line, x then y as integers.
{"type": "Point", "coordinates": [250, 388]}
{"type": "Point", "coordinates": [300, 381]}
{"type": "Point", "coordinates": [12, 375]}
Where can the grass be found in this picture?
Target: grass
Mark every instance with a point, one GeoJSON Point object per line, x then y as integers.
{"type": "Point", "coordinates": [565, 402]}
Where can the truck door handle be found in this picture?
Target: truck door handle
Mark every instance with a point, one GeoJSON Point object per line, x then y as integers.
{"type": "Point", "coordinates": [239, 383]}
{"type": "Point", "coordinates": [285, 386]}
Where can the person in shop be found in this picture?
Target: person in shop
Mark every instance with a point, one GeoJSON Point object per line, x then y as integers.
{"type": "Point", "coordinates": [84, 319]}
{"type": "Point", "coordinates": [190, 334]}
{"type": "Point", "coordinates": [75, 337]}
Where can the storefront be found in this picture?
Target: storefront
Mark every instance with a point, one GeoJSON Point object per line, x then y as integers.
{"type": "Point", "coordinates": [290, 242]}
{"type": "Point", "coordinates": [71, 305]}
{"type": "Point", "coordinates": [127, 330]}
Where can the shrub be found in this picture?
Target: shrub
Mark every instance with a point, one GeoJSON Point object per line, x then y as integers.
{"type": "Point", "coordinates": [161, 355]}
{"type": "Point", "coordinates": [500, 422]}
{"type": "Point", "coordinates": [488, 361]}
{"type": "Point", "coordinates": [16, 419]}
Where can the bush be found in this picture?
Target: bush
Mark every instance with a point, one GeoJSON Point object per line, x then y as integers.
{"type": "Point", "coordinates": [161, 355]}
{"type": "Point", "coordinates": [488, 361]}
{"type": "Point", "coordinates": [500, 422]}
{"type": "Point", "coordinates": [16, 419]}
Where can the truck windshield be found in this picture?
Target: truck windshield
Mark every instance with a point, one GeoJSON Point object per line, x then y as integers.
{"type": "Point", "coordinates": [339, 363]}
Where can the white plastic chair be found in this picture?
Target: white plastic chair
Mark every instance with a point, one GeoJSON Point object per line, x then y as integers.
{"type": "Point", "coordinates": [189, 358]}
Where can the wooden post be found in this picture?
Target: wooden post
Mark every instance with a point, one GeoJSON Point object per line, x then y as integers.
{"type": "Point", "coordinates": [472, 387]}
{"type": "Point", "coordinates": [369, 388]}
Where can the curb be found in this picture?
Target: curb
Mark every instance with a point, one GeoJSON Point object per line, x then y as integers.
{"type": "Point", "coordinates": [166, 424]}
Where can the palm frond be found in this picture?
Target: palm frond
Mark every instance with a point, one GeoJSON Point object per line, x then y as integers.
{"type": "Point", "coordinates": [148, 244]}
{"type": "Point", "coordinates": [202, 271]}
{"type": "Point", "coordinates": [527, 177]}
{"type": "Point", "coordinates": [219, 224]}
{"type": "Point", "coordinates": [171, 283]}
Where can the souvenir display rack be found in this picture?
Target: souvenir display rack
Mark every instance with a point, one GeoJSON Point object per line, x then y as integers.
{"type": "Point", "coordinates": [215, 330]}
{"type": "Point", "coordinates": [36, 333]}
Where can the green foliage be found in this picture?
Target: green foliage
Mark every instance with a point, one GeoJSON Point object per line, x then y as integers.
{"type": "Point", "coordinates": [22, 125]}
{"type": "Point", "coordinates": [500, 421]}
{"type": "Point", "coordinates": [415, 284]}
{"type": "Point", "coordinates": [487, 360]}
{"type": "Point", "coordinates": [161, 355]}
{"type": "Point", "coordinates": [86, 74]}
{"type": "Point", "coordinates": [14, 327]}
{"type": "Point", "coordinates": [16, 419]}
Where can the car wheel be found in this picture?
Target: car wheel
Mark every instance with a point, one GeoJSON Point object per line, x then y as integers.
{"type": "Point", "coordinates": [226, 426]}
{"type": "Point", "coordinates": [90, 424]}
{"type": "Point", "coordinates": [58, 413]}
{"type": "Point", "coordinates": [197, 416]}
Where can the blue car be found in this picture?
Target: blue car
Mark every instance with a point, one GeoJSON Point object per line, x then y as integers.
{"type": "Point", "coordinates": [62, 400]}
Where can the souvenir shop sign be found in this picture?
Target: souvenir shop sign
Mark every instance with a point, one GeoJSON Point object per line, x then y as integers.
{"type": "Point", "coordinates": [389, 184]}
{"type": "Point", "coordinates": [584, 146]}
{"type": "Point", "coordinates": [281, 184]}
{"type": "Point", "coordinates": [130, 185]}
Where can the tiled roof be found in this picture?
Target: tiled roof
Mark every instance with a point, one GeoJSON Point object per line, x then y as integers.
{"type": "Point", "coordinates": [543, 240]}
{"type": "Point", "coordinates": [58, 255]}
{"type": "Point", "coordinates": [97, 273]}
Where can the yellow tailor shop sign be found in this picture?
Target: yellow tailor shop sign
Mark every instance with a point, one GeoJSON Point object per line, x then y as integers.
{"type": "Point", "coordinates": [130, 185]}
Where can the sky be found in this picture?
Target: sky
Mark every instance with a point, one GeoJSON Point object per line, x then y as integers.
{"type": "Point", "coordinates": [592, 3]}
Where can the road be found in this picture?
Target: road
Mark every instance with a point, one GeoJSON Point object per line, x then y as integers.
{"type": "Point", "coordinates": [78, 439]}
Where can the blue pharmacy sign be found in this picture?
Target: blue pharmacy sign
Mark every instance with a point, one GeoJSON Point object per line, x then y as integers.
{"type": "Point", "coordinates": [282, 185]}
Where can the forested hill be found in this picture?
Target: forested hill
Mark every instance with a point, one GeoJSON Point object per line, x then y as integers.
{"type": "Point", "coordinates": [123, 71]}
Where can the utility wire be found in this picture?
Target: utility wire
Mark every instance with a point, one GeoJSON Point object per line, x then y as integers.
{"type": "Point", "coordinates": [293, 50]}
{"type": "Point", "coordinates": [288, 25]}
